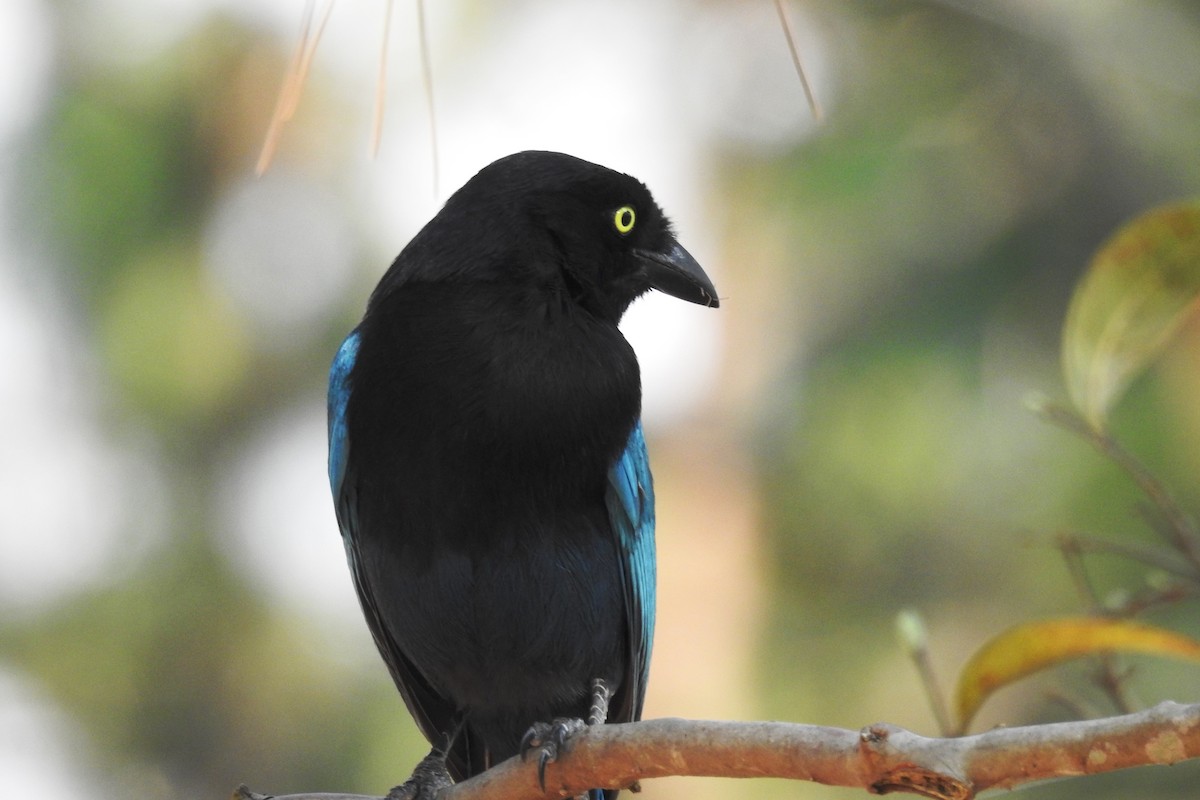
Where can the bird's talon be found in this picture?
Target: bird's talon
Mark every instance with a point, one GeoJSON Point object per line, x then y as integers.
{"type": "Point", "coordinates": [405, 791]}
{"type": "Point", "coordinates": [428, 779]}
{"type": "Point", "coordinates": [529, 741]}
{"type": "Point", "coordinates": [549, 739]}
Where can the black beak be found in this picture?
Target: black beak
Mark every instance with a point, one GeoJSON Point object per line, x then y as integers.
{"type": "Point", "coordinates": [676, 273]}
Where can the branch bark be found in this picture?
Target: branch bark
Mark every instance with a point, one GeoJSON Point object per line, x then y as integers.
{"type": "Point", "coordinates": [880, 758]}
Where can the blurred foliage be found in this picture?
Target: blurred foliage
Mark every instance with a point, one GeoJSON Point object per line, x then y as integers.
{"type": "Point", "coordinates": [186, 677]}
{"type": "Point", "coordinates": [1140, 289]}
{"type": "Point", "coordinates": [937, 227]}
{"type": "Point", "coordinates": [897, 282]}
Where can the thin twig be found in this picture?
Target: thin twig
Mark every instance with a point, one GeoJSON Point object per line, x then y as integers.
{"type": "Point", "coordinates": [1072, 552]}
{"type": "Point", "coordinates": [915, 640]}
{"type": "Point", "coordinates": [1152, 557]}
{"type": "Point", "coordinates": [1150, 598]}
{"type": "Point", "coordinates": [1181, 529]}
{"type": "Point", "coordinates": [1113, 679]}
{"type": "Point", "coordinates": [813, 105]}
{"type": "Point", "coordinates": [293, 84]}
{"type": "Point", "coordinates": [381, 81]}
{"type": "Point", "coordinates": [284, 100]}
{"type": "Point", "coordinates": [1074, 707]}
{"type": "Point", "coordinates": [1110, 675]}
{"type": "Point", "coordinates": [427, 79]}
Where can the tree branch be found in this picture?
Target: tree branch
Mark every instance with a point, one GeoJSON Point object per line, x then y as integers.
{"type": "Point", "coordinates": [881, 758]}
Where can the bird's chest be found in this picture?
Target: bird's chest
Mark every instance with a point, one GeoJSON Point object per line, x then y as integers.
{"type": "Point", "coordinates": [471, 405]}
{"type": "Point", "coordinates": [482, 435]}
{"type": "Point", "coordinates": [558, 383]}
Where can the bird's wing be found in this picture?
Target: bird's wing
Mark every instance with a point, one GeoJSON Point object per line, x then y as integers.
{"type": "Point", "coordinates": [630, 501]}
{"type": "Point", "coordinates": [339, 440]}
{"type": "Point", "coordinates": [434, 715]}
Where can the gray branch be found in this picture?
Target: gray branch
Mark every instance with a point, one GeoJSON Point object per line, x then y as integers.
{"type": "Point", "coordinates": [880, 758]}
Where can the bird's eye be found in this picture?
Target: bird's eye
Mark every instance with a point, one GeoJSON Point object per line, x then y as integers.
{"type": "Point", "coordinates": [623, 219]}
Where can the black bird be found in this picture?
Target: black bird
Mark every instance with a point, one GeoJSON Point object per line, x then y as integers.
{"type": "Point", "coordinates": [487, 460]}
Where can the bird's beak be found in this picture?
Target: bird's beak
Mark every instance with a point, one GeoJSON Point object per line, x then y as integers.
{"type": "Point", "coordinates": [676, 273]}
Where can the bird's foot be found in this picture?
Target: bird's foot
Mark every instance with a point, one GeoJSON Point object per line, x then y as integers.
{"type": "Point", "coordinates": [429, 778]}
{"type": "Point", "coordinates": [550, 740]}
{"type": "Point", "coordinates": [601, 696]}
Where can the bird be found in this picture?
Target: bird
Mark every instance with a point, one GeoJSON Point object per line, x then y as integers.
{"type": "Point", "coordinates": [489, 467]}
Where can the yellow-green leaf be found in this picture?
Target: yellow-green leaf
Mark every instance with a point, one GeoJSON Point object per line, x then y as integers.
{"type": "Point", "coordinates": [1140, 287]}
{"type": "Point", "coordinates": [1033, 646]}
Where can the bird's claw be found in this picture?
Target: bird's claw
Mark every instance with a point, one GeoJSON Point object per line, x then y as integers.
{"type": "Point", "coordinates": [428, 779]}
{"type": "Point", "coordinates": [550, 740]}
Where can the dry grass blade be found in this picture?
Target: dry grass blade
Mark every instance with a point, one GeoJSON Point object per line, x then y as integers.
{"type": "Point", "coordinates": [427, 79]}
{"type": "Point", "coordinates": [293, 84]}
{"type": "Point", "coordinates": [813, 105]}
{"type": "Point", "coordinates": [381, 81]}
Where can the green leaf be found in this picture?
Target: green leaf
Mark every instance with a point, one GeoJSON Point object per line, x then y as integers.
{"type": "Point", "coordinates": [1141, 286]}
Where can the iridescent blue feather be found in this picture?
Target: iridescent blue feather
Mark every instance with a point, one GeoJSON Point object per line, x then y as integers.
{"type": "Point", "coordinates": [630, 501]}
{"type": "Point", "coordinates": [339, 441]}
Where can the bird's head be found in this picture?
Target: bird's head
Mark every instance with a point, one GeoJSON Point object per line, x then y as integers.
{"type": "Point", "coordinates": [588, 233]}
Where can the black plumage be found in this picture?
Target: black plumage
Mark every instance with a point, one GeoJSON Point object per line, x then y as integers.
{"type": "Point", "coordinates": [487, 460]}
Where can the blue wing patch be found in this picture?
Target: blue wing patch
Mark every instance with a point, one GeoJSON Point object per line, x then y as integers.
{"type": "Point", "coordinates": [630, 501]}
{"type": "Point", "coordinates": [336, 402]}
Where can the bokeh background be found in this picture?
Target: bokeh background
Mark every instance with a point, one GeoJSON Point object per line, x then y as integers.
{"type": "Point", "coordinates": [846, 437]}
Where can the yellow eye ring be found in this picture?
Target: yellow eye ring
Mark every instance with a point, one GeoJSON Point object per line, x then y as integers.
{"type": "Point", "coordinates": [623, 219]}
